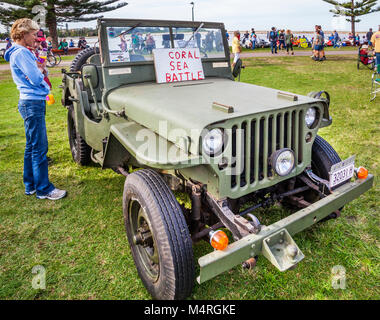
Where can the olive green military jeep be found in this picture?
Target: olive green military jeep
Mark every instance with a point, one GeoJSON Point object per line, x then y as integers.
{"type": "Point", "coordinates": [231, 147]}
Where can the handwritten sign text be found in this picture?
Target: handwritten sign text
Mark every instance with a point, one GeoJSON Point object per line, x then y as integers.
{"type": "Point", "coordinates": [174, 65]}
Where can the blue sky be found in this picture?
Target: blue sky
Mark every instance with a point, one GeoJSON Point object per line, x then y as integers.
{"type": "Point", "coordinates": [242, 14]}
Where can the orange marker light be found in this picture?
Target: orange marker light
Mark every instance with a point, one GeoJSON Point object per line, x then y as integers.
{"type": "Point", "coordinates": [218, 240]}
{"type": "Point", "coordinates": [362, 173]}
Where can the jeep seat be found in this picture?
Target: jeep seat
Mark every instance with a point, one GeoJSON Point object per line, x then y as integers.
{"type": "Point", "coordinates": [90, 108]}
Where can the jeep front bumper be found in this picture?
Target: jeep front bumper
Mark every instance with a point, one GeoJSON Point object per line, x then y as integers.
{"type": "Point", "coordinates": [275, 241]}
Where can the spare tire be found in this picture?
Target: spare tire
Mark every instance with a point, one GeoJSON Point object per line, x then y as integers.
{"type": "Point", "coordinates": [237, 68]}
{"type": "Point", "coordinates": [82, 57]}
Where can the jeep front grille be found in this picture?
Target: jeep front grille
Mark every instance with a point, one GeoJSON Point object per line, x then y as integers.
{"type": "Point", "coordinates": [254, 140]}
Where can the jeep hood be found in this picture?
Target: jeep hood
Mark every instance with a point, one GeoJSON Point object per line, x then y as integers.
{"type": "Point", "coordinates": [189, 105]}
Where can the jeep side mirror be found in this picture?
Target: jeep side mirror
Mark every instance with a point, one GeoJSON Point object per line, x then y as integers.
{"type": "Point", "coordinates": [90, 76]}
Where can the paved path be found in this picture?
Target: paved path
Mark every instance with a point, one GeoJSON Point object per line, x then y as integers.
{"type": "Point", "coordinates": [305, 53]}
{"type": "Point", "coordinates": [296, 53]}
{"type": "Point", "coordinates": [63, 64]}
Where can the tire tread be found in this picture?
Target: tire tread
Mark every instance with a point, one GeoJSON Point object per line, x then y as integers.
{"type": "Point", "coordinates": [81, 58]}
{"type": "Point", "coordinates": [83, 152]}
{"type": "Point", "coordinates": [179, 241]}
{"type": "Point", "coordinates": [323, 152]}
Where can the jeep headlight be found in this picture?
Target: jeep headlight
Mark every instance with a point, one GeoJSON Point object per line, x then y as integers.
{"type": "Point", "coordinates": [213, 142]}
{"type": "Point", "coordinates": [283, 161]}
{"type": "Point", "coordinates": [310, 116]}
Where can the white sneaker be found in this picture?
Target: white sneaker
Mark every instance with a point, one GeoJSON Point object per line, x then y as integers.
{"type": "Point", "coordinates": [56, 194]}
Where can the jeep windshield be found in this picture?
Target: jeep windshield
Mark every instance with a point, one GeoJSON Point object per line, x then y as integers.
{"type": "Point", "coordinates": [134, 43]}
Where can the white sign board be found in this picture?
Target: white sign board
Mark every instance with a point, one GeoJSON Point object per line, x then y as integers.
{"type": "Point", "coordinates": [174, 65]}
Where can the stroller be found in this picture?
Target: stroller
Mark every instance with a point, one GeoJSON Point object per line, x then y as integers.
{"type": "Point", "coordinates": [365, 58]}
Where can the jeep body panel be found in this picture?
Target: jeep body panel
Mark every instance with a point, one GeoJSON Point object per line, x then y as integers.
{"type": "Point", "coordinates": [165, 155]}
{"type": "Point", "coordinates": [189, 106]}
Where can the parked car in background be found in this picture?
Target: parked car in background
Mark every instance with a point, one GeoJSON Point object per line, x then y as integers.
{"type": "Point", "coordinates": [262, 43]}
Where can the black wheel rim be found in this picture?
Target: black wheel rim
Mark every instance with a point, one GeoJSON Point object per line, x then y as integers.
{"type": "Point", "coordinates": [143, 240]}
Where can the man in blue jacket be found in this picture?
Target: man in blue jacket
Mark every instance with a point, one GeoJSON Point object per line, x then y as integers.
{"type": "Point", "coordinates": [273, 37]}
{"type": "Point", "coordinates": [29, 78]}
{"type": "Point", "coordinates": [336, 39]}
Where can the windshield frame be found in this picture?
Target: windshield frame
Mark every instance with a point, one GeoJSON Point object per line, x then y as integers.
{"type": "Point", "coordinates": [103, 37]}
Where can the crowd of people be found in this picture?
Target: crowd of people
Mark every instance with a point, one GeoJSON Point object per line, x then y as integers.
{"type": "Point", "coordinates": [139, 43]}
{"type": "Point", "coordinates": [353, 40]}
{"type": "Point", "coordinates": [356, 40]}
{"type": "Point", "coordinates": [281, 40]}
{"type": "Point", "coordinates": [47, 43]}
{"type": "Point", "coordinates": [144, 43]}
{"type": "Point", "coordinates": [278, 40]}
{"type": "Point", "coordinates": [64, 45]}
{"type": "Point", "coordinates": [285, 40]}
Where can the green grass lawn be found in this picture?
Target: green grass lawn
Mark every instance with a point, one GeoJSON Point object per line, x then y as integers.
{"type": "Point", "coordinates": [81, 242]}
{"type": "Point", "coordinates": [67, 58]}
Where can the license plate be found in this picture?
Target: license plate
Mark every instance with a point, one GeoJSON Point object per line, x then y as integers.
{"type": "Point", "coordinates": [342, 171]}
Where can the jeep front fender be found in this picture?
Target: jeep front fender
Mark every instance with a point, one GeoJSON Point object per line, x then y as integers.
{"type": "Point", "coordinates": [147, 147]}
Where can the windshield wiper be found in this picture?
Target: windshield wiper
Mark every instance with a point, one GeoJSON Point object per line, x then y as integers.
{"type": "Point", "coordinates": [196, 31]}
{"type": "Point", "coordinates": [130, 29]}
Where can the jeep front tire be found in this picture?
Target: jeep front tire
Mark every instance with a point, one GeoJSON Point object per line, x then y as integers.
{"type": "Point", "coordinates": [158, 236]}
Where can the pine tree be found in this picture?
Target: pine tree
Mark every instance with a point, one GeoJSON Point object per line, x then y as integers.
{"type": "Point", "coordinates": [353, 9]}
{"type": "Point", "coordinates": [56, 11]}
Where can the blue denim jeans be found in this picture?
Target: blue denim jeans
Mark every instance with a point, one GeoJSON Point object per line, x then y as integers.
{"type": "Point", "coordinates": [36, 175]}
{"type": "Point", "coordinates": [377, 58]}
{"type": "Point", "coordinates": [273, 45]}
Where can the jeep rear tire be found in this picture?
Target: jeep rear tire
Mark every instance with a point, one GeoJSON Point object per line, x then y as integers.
{"type": "Point", "coordinates": [80, 150]}
{"type": "Point", "coordinates": [159, 238]}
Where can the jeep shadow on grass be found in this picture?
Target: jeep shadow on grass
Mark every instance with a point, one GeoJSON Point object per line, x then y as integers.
{"type": "Point", "coordinates": [206, 138]}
